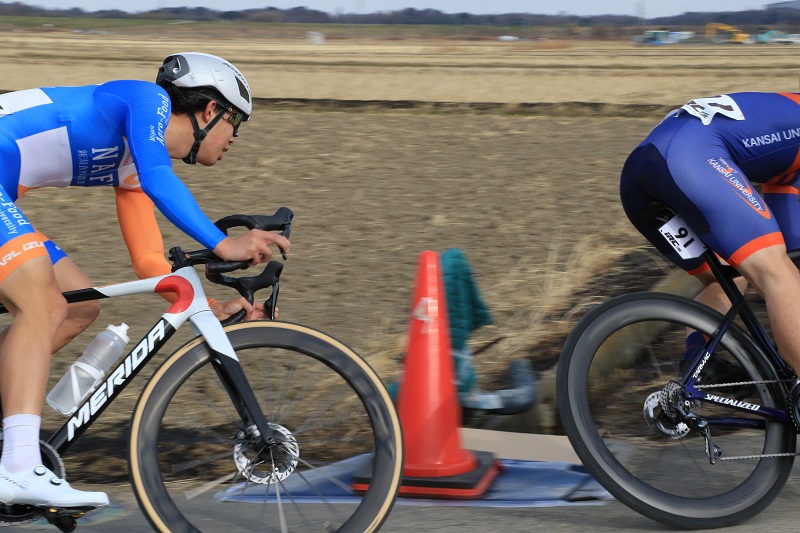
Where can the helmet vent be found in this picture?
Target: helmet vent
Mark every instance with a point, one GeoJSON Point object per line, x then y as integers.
{"type": "Point", "coordinates": [243, 92]}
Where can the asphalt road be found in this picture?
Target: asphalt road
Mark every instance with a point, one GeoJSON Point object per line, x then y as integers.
{"type": "Point", "coordinates": [782, 516]}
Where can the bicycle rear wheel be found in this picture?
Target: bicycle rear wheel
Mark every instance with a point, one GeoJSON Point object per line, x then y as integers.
{"type": "Point", "coordinates": [612, 379]}
{"type": "Point", "coordinates": [192, 470]}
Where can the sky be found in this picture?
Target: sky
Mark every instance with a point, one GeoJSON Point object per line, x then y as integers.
{"type": "Point", "coordinates": [640, 8]}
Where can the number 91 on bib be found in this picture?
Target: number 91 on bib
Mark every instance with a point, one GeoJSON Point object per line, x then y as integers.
{"type": "Point", "coordinates": [682, 239]}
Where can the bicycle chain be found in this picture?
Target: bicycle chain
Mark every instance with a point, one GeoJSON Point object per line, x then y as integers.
{"type": "Point", "coordinates": [761, 456]}
{"type": "Point", "coordinates": [34, 517]}
{"type": "Point", "coordinates": [740, 383]}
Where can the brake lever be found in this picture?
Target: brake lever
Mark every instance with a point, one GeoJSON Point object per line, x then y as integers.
{"type": "Point", "coordinates": [271, 304]}
{"type": "Point", "coordinates": [247, 286]}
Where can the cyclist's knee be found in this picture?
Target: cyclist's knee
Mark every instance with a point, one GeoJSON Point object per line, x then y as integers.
{"type": "Point", "coordinates": [770, 269]}
{"type": "Point", "coordinates": [54, 312]}
{"type": "Point", "coordinates": [46, 317]}
{"type": "Point", "coordinates": [81, 316]}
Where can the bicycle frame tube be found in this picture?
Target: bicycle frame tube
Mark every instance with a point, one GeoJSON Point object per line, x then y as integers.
{"type": "Point", "coordinates": [192, 305]}
{"type": "Point", "coordinates": [747, 315]}
{"type": "Point", "coordinates": [742, 309]}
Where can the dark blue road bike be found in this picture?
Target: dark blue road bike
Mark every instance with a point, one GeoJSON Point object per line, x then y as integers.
{"type": "Point", "coordinates": [699, 443]}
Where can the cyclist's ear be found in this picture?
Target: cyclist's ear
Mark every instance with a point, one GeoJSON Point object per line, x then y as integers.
{"type": "Point", "coordinates": [210, 111]}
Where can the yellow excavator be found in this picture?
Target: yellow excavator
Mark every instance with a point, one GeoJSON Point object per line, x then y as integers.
{"type": "Point", "coordinates": [718, 32]}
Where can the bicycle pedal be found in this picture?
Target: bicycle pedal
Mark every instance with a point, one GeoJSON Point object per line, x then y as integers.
{"type": "Point", "coordinates": [64, 518]}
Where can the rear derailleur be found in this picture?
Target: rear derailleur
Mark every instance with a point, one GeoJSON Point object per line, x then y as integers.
{"type": "Point", "coordinates": [669, 413]}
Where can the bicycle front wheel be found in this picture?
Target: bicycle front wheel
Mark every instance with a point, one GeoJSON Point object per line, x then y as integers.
{"type": "Point", "coordinates": [618, 370]}
{"type": "Point", "coordinates": [195, 466]}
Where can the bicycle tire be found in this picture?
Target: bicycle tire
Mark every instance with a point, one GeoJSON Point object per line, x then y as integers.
{"type": "Point", "coordinates": [334, 430]}
{"type": "Point", "coordinates": [610, 372]}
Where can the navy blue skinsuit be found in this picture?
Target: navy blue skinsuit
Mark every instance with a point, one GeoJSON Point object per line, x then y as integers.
{"type": "Point", "coordinates": [702, 160]}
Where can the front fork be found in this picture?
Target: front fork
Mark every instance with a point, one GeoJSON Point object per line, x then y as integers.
{"type": "Point", "coordinates": [231, 374]}
{"type": "Point", "coordinates": [244, 400]}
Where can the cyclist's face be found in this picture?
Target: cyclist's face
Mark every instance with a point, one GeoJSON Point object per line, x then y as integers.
{"type": "Point", "coordinates": [219, 140]}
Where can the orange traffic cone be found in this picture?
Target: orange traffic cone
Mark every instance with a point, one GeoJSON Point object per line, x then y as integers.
{"type": "Point", "coordinates": [436, 464]}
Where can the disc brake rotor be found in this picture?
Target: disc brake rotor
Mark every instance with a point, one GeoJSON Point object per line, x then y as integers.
{"type": "Point", "coordinates": [266, 464]}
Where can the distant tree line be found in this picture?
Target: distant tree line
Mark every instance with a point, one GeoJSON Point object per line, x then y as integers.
{"type": "Point", "coordinates": [763, 17]}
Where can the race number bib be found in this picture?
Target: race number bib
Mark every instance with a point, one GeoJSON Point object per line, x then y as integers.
{"type": "Point", "coordinates": [682, 239]}
{"type": "Point", "coordinates": [706, 108]}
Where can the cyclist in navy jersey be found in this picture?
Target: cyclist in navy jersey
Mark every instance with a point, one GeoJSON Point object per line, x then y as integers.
{"type": "Point", "coordinates": [702, 160]}
{"type": "Point", "coordinates": [122, 134]}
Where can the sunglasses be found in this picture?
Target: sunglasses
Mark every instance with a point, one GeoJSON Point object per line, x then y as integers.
{"type": "Point", "coordinates": [236, 117]}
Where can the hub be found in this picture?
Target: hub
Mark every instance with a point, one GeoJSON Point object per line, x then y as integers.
{"type": "Point", "coordinates": [659, 421]}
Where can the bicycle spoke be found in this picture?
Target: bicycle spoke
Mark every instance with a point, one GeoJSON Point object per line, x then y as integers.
{"type": "Point", "coordinates": [210, 485]}
{"type": "Point", "coordinates": [178, 468]}
{"type": "Point", "coordinates": [220, 472]}
{"type": "Point", "coordinates": [670, 455]}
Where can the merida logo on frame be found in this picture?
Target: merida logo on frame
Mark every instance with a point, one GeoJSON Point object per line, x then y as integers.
{"type": "Point", "coordinates": [117, 378]}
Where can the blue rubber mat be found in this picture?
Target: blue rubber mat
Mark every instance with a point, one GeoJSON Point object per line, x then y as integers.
{"type": "Point", "coordinates": [518, 484]}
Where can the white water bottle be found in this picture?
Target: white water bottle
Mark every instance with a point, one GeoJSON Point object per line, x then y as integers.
{"type": "Point", "coordinates": [87, 372]}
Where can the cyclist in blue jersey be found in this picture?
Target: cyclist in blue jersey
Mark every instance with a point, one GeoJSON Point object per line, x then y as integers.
{"type": "Point", "coordinates": [702, 161]}
{"type": "Point", "coordinates": [122, 134]}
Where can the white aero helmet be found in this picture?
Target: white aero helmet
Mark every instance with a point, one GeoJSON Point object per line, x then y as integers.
{"type": "Point", "coordinates": [195, 70]}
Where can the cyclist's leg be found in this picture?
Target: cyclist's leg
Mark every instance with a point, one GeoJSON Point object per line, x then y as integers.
{"type": "Point", "coordinates": [776, 278]}
{"type": "Point", "coordinates": [740, 228]}
{"type": "Point", "coordinates": [712, 207]}
{"type": "Point", "coordinates": [28, 288]}
{"type": "Point", "coordinates": [79, 315]}
{"type": "Point", "coordinates": [712, 294]}
{"type": "Point", "coordinates": [34, 300]}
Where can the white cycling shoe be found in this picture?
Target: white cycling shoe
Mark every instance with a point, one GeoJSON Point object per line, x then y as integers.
{"type": "Point", "coordinates": [40, 487]}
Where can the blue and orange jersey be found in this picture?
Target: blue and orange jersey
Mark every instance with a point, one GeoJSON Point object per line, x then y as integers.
{"type": "Point", "coordinates": [100, 135]}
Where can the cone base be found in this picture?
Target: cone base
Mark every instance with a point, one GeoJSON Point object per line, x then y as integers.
{"type": "Point", "coordinates": [467, 486]}
{"type": "Point", "coordinates": [459, 461]}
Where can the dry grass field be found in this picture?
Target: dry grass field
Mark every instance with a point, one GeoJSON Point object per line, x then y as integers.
{"type": "Point", "coordinates": [529, 194]}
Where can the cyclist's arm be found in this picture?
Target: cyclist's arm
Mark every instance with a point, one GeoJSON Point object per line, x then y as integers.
{"type": "Point", "coordinates": [142, 111]}
{"type": "Point", "coordinates": [142, 235]}
{"type": "Point", "coordinates": [137, 220]}
{"type": "Point", "coordinates": [175, 201]}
